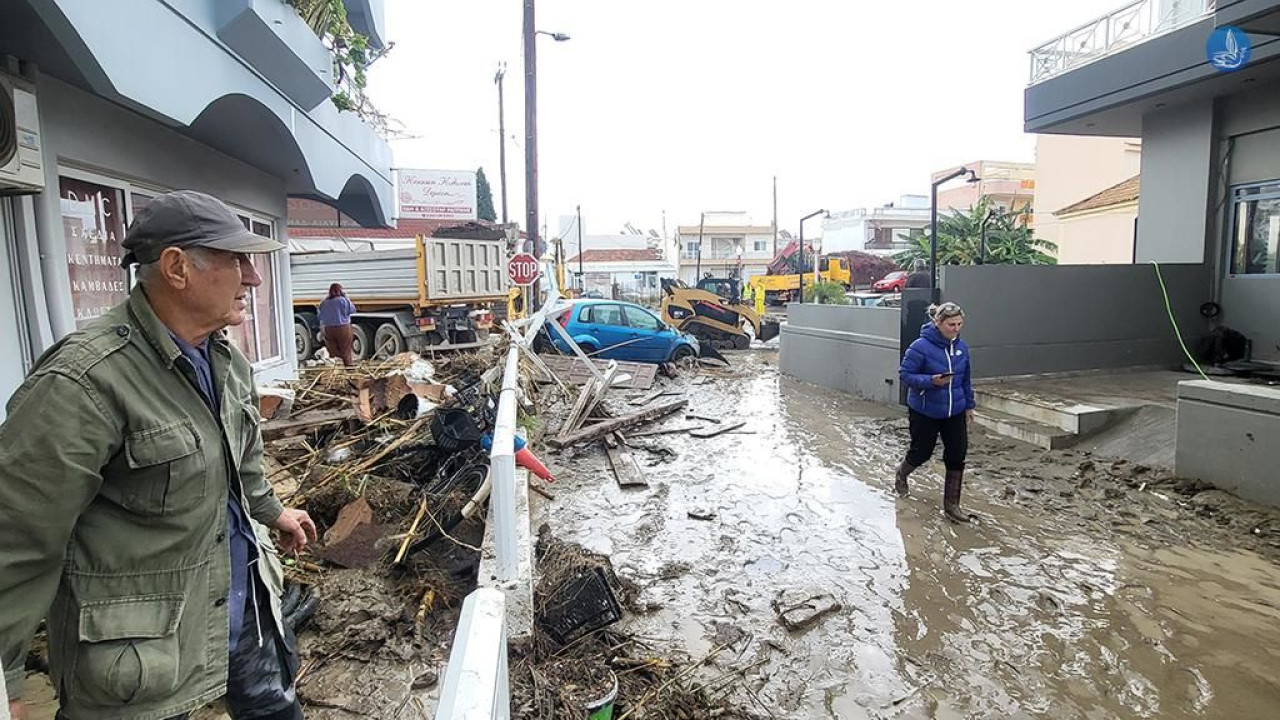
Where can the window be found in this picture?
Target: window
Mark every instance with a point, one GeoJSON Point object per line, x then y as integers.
{"type": "Point", "coordinates": [605, 315]}
{"type": "Point", "coordinates": [258, 337]}
{"type": "Point", "coordinates": [691, 249]}
{"type": "Point", "coordinates": [94, 217]}
{"type": "Point", "coordinates": [642, 319]}
{"type": "Point", "coordinates": [1255, 248]}
{"type": "Point", "coordinates": [761, 245]}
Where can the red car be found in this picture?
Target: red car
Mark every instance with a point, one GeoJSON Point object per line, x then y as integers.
{"type": "Point", "coordinates": [893, 282]}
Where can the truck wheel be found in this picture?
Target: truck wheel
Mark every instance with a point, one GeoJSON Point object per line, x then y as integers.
{"type": "Point", "coordinates": [303, 342]}
{"type": "Point", "coordinates": [360, 345]}
{"type": "Point", "coordinates": [387, 341]}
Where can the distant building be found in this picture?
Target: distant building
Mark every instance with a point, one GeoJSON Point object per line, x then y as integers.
{"type": "Point", "coordinates": [1101, 229]}
{"type": "Point", "coordinates": [630, 274]}
{"type": "Point", "coordinates": [723, 244]}
{"type": "Point", "coordinates": [882, 231]}
{"type": "Point", "coordinates": [1010, 185]}
{"type": "Point", "coordinates": [1086, 196]}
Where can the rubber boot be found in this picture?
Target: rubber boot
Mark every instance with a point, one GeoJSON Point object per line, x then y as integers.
{"type": "Point", "coordinates": [951, 497]}
{"type": "Point", "coordinates": [900, 478]}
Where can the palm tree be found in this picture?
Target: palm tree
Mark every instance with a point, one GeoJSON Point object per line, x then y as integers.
{"type": "Point", "coordinates": [1009, 239]}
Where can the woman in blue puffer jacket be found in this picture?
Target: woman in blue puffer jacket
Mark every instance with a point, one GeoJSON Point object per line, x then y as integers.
{"type": "Point", "coordinates": [935, 371]}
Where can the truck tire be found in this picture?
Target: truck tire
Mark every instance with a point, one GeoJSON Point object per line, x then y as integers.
{"type": "Point", "coordinates": [360, 343]}
{"type": "Point", "coordinates": [303, 341]}
{"type": "Point", "coordinates": [387, 341]}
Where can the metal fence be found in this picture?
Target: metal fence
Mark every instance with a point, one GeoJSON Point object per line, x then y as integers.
{"type": "Point", "coordinates": [1132, 24]}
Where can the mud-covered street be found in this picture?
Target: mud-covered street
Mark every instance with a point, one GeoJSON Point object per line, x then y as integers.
{"type": "Point", "coordinates": [1092, 588]}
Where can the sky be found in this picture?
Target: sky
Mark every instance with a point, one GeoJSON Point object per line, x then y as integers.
{"type": "Point", "coordinates": [681, 106]}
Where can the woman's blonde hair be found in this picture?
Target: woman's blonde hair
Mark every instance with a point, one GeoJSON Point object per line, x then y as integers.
{"type": "Point", "coordinates": [944, 312]}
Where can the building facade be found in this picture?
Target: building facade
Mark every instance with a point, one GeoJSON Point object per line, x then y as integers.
{"type": "Point", "coordinates": [1102, 229]}
{"type": "Point", "coordinates": [117, 102]}
{"type": "Point", "coordinates": [1073, 169]}
{"type": "Point", "coordinates": [1010, 185]}
{"type": "Point", "coordinates": [724, 244]}
{"type": "Point", "coordinates": [1210, 145]}
{"type": "Point", "coordinates": [884, 231]}
{"type": "Point", "coordinates": [625, 274]}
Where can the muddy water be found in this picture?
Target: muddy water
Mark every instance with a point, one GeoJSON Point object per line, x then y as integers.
{"type": "Point", "coordinates": [1023, 616]}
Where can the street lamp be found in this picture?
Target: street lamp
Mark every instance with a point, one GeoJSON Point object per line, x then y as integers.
{"type": "Point", "coordinates": [800, 264]}
{"type": "Point", "coordinates": [531, 122]}
{"type": "Point", "coordinates": [982, 246]}
{"type": "Point", "coordinates": [933, 224]}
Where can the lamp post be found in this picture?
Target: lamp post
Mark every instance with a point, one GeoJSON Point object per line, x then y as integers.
{"type": "Point", "coordinates": [800, 264]}
{"type": "Point", "coordinates": [982, 244]}
{"type": "Point", "coordinates": [502, 138]}
{"type": "Point", "coordinates": [697, 272]}
{"type": "Point", "coordinates": [531, 34]}
{"type": "Point", "coordinates": [933, 223]}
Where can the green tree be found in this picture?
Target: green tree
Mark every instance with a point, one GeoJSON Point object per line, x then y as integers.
{"type": "Point", "coordinates": [1009, 239]}
{"type": "Point", "coordinates": [484, 195]}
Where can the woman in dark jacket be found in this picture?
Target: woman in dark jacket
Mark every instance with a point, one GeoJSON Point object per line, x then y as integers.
{"type": "Point", "coordinates": [935, 371]}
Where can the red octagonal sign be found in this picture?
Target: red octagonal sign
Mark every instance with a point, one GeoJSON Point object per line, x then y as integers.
{"type": "Point", "coordinates": [522, 269]}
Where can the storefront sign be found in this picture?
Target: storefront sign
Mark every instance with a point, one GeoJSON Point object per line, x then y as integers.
{"type": "Point", "coordinates": [437, 194]}
{"type": "Point", "coordinates": [93, 223]}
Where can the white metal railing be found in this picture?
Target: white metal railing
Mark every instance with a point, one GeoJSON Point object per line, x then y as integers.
{"type": "Point", "coordinates": [1134, 23]}
{"type": "Point", "coordinates": [476, 684]}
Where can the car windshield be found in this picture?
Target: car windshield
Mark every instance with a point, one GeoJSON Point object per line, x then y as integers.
{"type": "Point", "coordinates": [642, 319]}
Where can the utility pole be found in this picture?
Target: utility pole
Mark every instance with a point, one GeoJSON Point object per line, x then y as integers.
{"type": "Point", "coordinates": [531, 127]}
{"type": "Point", "coordinates": [697, 272]}
{"type": "Point", "coordinates": [775, 216]}
{"type": "Point", "coordinates": [582, 274]}
{"type": "Point", "coordinates": [502, 139]}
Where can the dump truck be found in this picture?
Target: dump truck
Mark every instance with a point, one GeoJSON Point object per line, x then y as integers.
{"type": "Point", "coordinates": [785, 287]}
{"type": "Point", "coordinates": [438, 294]}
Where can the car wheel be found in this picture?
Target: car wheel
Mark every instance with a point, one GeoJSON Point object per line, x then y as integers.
{"type": "Point", "coordinates": [588, 348]}
{"type": "Point", "coordinates": [302, 341]}
{"type": "Point", "coordinates": [360, 344]}
{"type": "Point", "coordinates": [682, 353]}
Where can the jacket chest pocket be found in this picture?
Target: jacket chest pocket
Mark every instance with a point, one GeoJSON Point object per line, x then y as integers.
{"type": "Point", "coordinates": [128, 650]}
{"type": "Point", "coordinates": [167, 472]}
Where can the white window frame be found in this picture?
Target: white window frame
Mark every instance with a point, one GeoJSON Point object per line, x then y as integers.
{"type": "Point", "coordinates": [1268, 190]}
{"type": "Point", "coordinates": [129, 187]}
{"type": "Point", "coordinates": [76, 173]}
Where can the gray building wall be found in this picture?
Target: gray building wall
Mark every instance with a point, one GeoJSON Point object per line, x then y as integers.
{"type": "Point", "coordinates": [850, 349]}
{"type": "Point", "coordinates": [1023, 320]}
{"type": "Point", "coordinates": [1173, 216]}
{"type": "Point", "coordinates": [82, 131]}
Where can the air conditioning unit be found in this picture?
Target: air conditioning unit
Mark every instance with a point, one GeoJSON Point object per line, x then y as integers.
{"type": "Point", "coordinates": [21, 166]}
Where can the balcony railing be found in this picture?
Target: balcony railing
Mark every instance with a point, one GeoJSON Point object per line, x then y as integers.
{"type": "Point", "coordinates": [1132, 24]}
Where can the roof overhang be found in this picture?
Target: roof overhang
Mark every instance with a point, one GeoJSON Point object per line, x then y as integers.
{"type": "Point", "coordinates": [1253, 16]}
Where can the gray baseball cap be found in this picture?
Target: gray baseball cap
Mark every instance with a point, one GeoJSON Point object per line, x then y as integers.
{"type": "Point", "coordinates": [184, 219]}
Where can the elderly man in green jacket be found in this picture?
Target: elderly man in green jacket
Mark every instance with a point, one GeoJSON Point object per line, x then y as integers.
{"type": "Point", "coordinates": [133, 505]}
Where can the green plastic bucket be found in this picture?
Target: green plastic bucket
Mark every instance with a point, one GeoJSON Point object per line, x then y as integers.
{"type": "Point", "coordinates": [602, 709]}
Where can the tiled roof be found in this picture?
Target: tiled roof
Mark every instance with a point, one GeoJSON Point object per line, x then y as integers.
{"type": "Point", "coordinates": [1125, 192]}
{"type": "Point", "coordinates": [645, 255]}
{"type": "Point", "coordinates": [404, 229]}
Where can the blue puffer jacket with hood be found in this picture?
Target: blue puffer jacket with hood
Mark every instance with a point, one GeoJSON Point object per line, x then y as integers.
{"type": "Point", "coordinates": [930, 355]}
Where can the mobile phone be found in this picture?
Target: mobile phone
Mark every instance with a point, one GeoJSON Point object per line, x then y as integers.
{"type": "Point", "coordinates": [946, 374]}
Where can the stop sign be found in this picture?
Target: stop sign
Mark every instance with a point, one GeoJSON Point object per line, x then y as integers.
{"type": "Point", "coordinates": [522, 269]}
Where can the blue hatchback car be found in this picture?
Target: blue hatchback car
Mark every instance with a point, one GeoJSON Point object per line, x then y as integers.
{"type": "Point", "coordinates": [614, 330]}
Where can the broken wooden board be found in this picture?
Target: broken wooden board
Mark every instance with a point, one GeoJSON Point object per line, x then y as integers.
{"type": "Point", "coordinates": [718, 430]}
{"type": "Point", "coordinates": [704, 418]}
{"type": "Point", "coordinates": [625, 468]}
{"type": "Point", "coordinates": [591, 432]}
{"type": "Point", "coordinates": [305, 423]}
{"type": "Point", "coordinates": [352, 515]}
{"type": "Point", "coordinates": [571, 371]}
{"type": "Point", "coordinates": [646, 399]}
{"type": "Point", "coordinates": [665, 431]}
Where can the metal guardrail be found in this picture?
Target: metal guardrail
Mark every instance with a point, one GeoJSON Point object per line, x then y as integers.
{"type": "Point", "coordinates": [1132, 24]}
{"type": "Point", "coordinates": [476, 683]}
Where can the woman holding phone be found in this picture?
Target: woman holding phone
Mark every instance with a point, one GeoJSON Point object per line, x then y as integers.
{"type": "Point", "coordinates": [935, 371]}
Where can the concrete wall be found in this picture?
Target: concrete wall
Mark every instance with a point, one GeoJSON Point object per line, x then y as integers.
{"type": "Point", "coordinates": [1226, 436]}
{"type": "Point", "coordinates": [850, 349]}
{"type": "Point", "coordinates": [84, 132]}
{"type": "Point", "coordinates": [1026, 320]}
{"type": "Point", "coordinates": [1177, 172]}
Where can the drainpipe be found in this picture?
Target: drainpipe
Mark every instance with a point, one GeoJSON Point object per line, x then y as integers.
{"type": "Point", "coordinates": [50, 242]}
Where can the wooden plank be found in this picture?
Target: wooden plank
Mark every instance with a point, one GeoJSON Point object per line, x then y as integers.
{"type": "Point", "coordinates": [665, 431]}
{"type": "Point", "coordinates": [625, 468]}
{"type": "Point", "coordinates": [704, 418]}
{"type": "Point", "coordinates": [646, 399]}
{"type": "Point", "coordinates": [305, 423]}
{"type": "Point", "coordinates": [719, 430]}
{"type": "Point", "coordinates": [571, 371]}
{"type": "Point", "coordinates": [578, 412]}
{"type": "Point", "coordinates": [591, 432]}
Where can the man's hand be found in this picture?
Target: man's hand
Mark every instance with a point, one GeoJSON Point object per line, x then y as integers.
{"type": "Point", "coordinates": [15, 709]}
{"type": "Point", "coordinates": [296, 530]}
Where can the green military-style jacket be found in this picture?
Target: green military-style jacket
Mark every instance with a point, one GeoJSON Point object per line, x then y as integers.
{"type": "Point", "coordinates": [114, 480]}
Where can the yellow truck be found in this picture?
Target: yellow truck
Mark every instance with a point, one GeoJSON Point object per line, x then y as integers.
{"type": "Point", "coordinates": [784, 288]}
